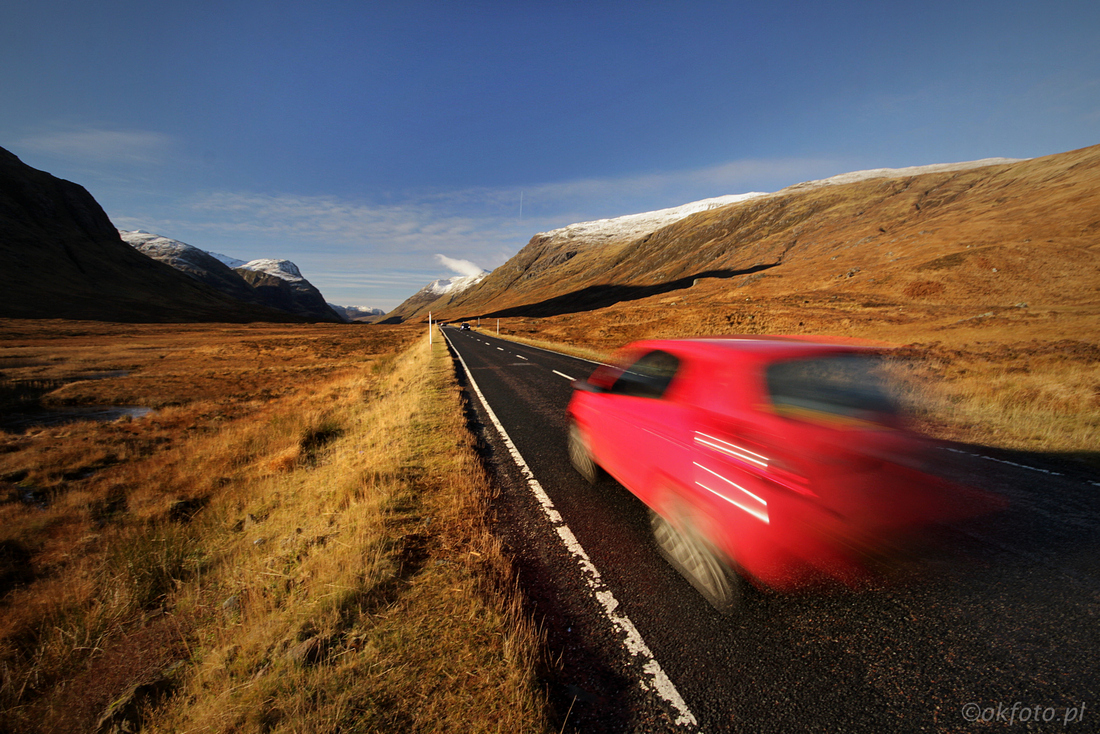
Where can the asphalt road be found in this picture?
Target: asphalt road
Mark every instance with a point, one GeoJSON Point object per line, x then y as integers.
{"type": "Point", "coordinates": [995, 625]}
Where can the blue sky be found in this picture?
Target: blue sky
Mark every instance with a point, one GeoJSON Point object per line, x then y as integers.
{"type": "Point", "coordinates": [363, 139]}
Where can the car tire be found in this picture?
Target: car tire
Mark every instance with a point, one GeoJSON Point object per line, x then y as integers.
{"type": "Point", "coordinates": [697, 561]}
{"type": "Point", "coordinates": [580, 456]}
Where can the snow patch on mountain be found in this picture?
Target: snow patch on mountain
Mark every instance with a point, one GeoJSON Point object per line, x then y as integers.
{"type": "Point", "coordinates": [229, 261]}
{"type": "Point", "coordinates": [284, 269]}
{"type": "Point", "coordinates": [636, 225]}
{"type": "Point", "coordinates": [156, 245]}
{"type": "Point", "coordinates": [856, 176]}
{"type": "Point", "coordinates": [159, 247]}
{"type": "Point", "coordinates": [456, 284]}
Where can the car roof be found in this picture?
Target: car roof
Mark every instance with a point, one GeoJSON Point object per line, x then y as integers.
{"type": "Point", "coordinates": [751, 346]}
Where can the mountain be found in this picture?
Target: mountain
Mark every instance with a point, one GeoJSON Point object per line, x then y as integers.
{"type": "Point", "coordinates": [200, 265]}
{"type": "Point", "coordinates": [280, 284]}
{"type": "Point", "coordinates": [436, 295]}
{"type": "Point", "coordinates": [357, 313]}
{"type": "Point", "coordinates": [989, 232]}
{"type": "Point", "coordinates": [60, 257]}
{"type": "Point", "coordinates": [273, 283]}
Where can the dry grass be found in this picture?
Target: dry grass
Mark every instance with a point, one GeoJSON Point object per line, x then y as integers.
{"type": "Point", "coordinates": [316, 562]}
{"type": "Point", "coordinates": [1035, 396]}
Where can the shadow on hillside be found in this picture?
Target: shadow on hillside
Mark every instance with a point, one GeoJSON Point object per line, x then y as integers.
{"type": "Point", "coordinates": [601, 296]}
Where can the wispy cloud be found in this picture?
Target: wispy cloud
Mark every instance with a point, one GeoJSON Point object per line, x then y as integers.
{"type": "Point", "coordinates": [133, 146]}
{"type": "Point", "coordinates": [462, 267]}
{"type": "Point", "coordinates": [454, 221]}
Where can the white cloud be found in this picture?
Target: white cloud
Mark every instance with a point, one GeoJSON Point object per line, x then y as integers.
{"type": "Point", "coordinates": [462, 267]}
{"type": "Point", "coordinates": [136, 146]}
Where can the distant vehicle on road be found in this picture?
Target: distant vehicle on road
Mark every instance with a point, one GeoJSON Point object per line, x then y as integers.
{"type": "Point", "coordinates": [464, 327]}
{"type": "Point", "coordinates": [779, 460]}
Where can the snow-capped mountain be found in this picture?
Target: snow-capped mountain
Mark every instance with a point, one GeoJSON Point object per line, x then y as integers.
{"type": "Point", "coordinates": [163, 248]}
{"type": "Point", "coordinates": [357, 313]}
{"type": "Point", "coordinates": [594, 264]}
{"type": "Point", "coordinates": [855, 176]}
{"type": "Point", "coordinates": [271, 282]}
{"type": "Point", "coordinates": [230, 261]}
{"type": "Point", "coordinates": [284, 269]}
{"type": "Point", "coordinates": [636, 225]}
{"type": "Point", "coordinates": [438, 292]}
{"type": "Point", "coordinates": [454, 285]}
{"type": "Point", "coordinates": [197, 263]}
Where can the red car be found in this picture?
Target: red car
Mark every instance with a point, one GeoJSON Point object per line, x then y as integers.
{"type": "Point", "coordinates": [777, 459]}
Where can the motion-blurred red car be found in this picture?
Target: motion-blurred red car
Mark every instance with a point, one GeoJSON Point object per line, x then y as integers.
{"type": "Point", "coordinates": [780, 459]}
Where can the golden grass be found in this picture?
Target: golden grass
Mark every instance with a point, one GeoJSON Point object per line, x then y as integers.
{"type": "Point", "coordinates": [319, 562]}
{"type": "Point", "coordinates": [1026, 396]}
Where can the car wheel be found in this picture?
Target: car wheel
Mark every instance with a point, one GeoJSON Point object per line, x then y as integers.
{"type": "Point", "coordinates": [693, 557]}
{"type": "Point", "coordinates": [580, 457]}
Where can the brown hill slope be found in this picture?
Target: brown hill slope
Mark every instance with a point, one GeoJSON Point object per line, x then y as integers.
{"type": "Point", "coordinates": [990, 277]}
{"type": "Point", "coordinates": [60, 257]}
{"type": "Point", "coordinates": [993, 236]}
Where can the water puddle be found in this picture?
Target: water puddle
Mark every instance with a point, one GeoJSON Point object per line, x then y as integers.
{"type": "Point", "coordinates": [60, 416]}
{"type": "Point", "coordinates": [102, 375]}
{"type": "Point", "coordinates": [22, 408]}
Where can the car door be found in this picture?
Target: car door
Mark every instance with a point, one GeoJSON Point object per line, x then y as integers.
{"type": "Point", "coordinates": [644, 426]}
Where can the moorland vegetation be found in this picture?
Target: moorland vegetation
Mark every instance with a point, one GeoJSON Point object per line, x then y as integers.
{"type": "Point", "coordinates": [294, 540]}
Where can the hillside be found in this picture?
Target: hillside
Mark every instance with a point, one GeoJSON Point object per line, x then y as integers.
{"type": "Point", "coordinates": [904, 245]}
{"type": "Point", "coordinates": [435, 296]}
{"type": "Point", "coordinates": [60, 257]}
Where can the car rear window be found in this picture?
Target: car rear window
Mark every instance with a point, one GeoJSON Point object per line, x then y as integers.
{"type": "Point", "coordinates": [844, 384]}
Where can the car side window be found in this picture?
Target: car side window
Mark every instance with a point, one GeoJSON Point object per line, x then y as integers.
{"type": "Point", "coordinates": [649, 377]}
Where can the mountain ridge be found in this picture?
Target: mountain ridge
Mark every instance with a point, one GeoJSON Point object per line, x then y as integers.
{"type": "Point", "coordinates": [275, 283]}
{"type": "Point", "coordinates": [879, 232]}
{"type": "Point", "coordinates": [437, 294]}
{"type": "Point", "coordinates": [61, 257]}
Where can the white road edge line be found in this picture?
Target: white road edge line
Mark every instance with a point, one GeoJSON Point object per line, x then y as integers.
{"type": "Point", "coordinates": [656, 680]}
{"type": "Point", "coordinates": [562, 374]}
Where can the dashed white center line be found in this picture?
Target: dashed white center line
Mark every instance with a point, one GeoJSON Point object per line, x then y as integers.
{"type": "Point", "coordinates": [562, 374]}
{"type": "Point", "coordinates": [500, 349]}
{"type": "Point", "coordinates": [522, 357]}
{"type": "Point", "coordinates": [1002, 461]}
